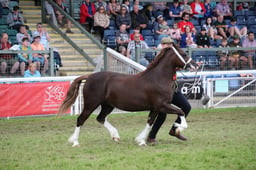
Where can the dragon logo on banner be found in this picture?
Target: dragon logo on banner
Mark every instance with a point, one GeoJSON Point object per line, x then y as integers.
{"type": "Point", "coordinates": [55, 92]}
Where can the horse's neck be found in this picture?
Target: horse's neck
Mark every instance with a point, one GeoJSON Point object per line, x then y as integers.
{"type": "Point", "coordinates": [164, 70]}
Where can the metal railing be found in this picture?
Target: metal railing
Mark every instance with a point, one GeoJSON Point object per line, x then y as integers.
{"type": "Point", "coordinates": [48, 52]}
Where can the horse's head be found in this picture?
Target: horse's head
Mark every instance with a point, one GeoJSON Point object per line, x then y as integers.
{"type": "Point", "coordinates": [183, 60]}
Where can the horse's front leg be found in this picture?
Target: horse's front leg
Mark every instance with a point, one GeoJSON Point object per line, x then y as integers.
{"type": "Point", "coordinates": [141, 138]}
{"type": "Point", "coordinates": [170, 108]}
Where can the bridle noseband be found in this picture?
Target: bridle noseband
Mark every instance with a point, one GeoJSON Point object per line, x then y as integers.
{"type": "Point", "coordinates": [181, 58]}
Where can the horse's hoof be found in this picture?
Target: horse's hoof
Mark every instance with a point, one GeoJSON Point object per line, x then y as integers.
{"type": "Point", "coordinates": [142, 143]}
{"type": "Point", "coordinates": [116, 139]}
{"type": "Point", "coordinates": [75, 145]}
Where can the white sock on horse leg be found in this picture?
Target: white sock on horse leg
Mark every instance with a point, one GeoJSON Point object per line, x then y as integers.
{"type": "Point", "coordinates": [74, 137]}
{"type": "Point", "coordinates": [140, 139]}
{"type": "Point", "coordinates": [112, 130]}
{"type": "Point", "coordinates": [183, 125]}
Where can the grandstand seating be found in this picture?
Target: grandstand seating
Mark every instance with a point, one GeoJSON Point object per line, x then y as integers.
{"type": "Point", "coordinates": [147, 32]}
{"type": "Point", "coordinates": [110, 38]}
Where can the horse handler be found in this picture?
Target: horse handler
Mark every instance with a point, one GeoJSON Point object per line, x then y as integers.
{"type": "Point", "coordinates": [178, 99]}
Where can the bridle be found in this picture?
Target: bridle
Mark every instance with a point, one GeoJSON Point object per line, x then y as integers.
{"type": "Point", "coordinates": [182, 59]}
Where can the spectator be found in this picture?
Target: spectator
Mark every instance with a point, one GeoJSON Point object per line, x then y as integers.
{"type": "Point", "coordinates": [114, 9]}
{"type": "Point", "coordinates": [31, 71]}
{"type": "Point", "coordinates": [122, 50]}
{"type": "Point", "coordinates": [39, 58]}
{"type": "Point", "coordinates": [187, 39]}
{"type": "Point", "coordinates": [222, 8]}
{"type": "Point", "coordinates": [237, 54]}
{"type": "Point", "coordinates": [100, 3]}
{"type": "Point", "coordinates": [122, 37]}
{"type": "Point", "coordinates": [62, 20]}
{"type": "Point", "coordinates": [138, 18]}
{"type": "Point", "coordinates": [185, 7]}
{"type": "Point", "coordinates": [234, 29]}
{"type": "Point", "coordinates": [175, 33]}
{"type": "Point", "coordinates": [202, 39]}
{"type": "Point", "coordinates": [139, 44]}
{"type": "Point", "coordinates": [87, 11]}
{"type": "Point", "coordinates": [137, 2]}
{"type": "Point", "coordinates": [250, 54]}
{"type": "Point", "coordinates": [175, 10]}
{"type": "Point", "coordinates": [7, 60]}
{"type": "Point", "coordinates": [159, 8]}
{"type": "Point", "coordinates": [148, 12]}
{"type": "Point", "coordinates": [136, 31]}
{"type": "Point", "coordinates": [45, 37]}
{"type": "Point", "coordinates": [101, 21]}
{"type": "Point", "coordinates": [50, 11]}
{"type": "Point", "coordinates": [165, 42]}
{"type": "Point", "coordinates": [4, 4]}
{"type": "Point", "coordinates": [15, 19]}
{"type": "Point", "coordinates": [23, 33]}
{"type": "Point", "coordinates": [224, 54]}
{"type": "Point", "coordinates": [126, 4]}
{"type": "Point", "coordinates": [182, 24]}
{"type": "Point", "coordinates": [209, 12]}
{"type": "Point", "coordinates": [211, 30]}
{"type": "Point", "coordinates": [221, 27]}
{"type": "Point", "coordinates": [45, 40]}
{"type": "Point", "coordinates": [124, 18]}
{"type": "Point", "coordinates": [198, 9]}
{"type": "Point", "coordinates": [24, 58]}
{"type": "Point", "coordinates": [161, 27]}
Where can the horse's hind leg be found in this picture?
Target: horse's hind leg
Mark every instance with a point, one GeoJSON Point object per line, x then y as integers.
{"type": "Point", "coordinates": [102, 118]}
{"type": "Point", "coordinates": [80, 121]}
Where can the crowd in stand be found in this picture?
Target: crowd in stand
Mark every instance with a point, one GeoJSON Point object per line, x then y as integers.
{"type": "Point", "coordinates": [25, 40]}
{"type": "Point", "coordinates": [197, 25]}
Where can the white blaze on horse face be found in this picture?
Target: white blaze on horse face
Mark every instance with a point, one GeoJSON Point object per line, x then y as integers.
{"type": "Point", "coordinates": [141, 138]}
{"type": "Point", "coordinates": [112, 130]}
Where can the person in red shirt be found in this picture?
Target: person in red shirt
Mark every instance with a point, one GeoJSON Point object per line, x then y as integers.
{"type": "Point", "coordinates": [136, 30]}
{"type": "Point", "coordinates": [7, 60]}
{"type": "Point", "coordinates": [87, 11]}
{"type": "Point", "coordinates": [198, 9]}
{"type": "Point", "coordinates": [182, 24]}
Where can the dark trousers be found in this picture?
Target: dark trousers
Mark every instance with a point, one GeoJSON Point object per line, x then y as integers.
{"type": "Point", "coordinates": [91, 22]}
{"type": "Point", "coordinates": [100, 30]}
{"type": "Point", "coordinates": [179, 100]}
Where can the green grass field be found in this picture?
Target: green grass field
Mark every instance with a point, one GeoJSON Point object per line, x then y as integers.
{"type": "Point", "coordinates": [218, 139]}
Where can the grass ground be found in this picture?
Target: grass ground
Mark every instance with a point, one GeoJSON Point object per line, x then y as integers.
{"type": "Point", "coordinates": [218, 139]}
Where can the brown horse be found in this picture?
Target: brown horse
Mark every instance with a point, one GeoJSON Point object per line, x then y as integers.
{"type": "Point", "coordinates": [150, 90]}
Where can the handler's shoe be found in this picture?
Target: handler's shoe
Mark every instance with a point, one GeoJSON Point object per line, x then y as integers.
{"type": "Point", "coordinates": [176, 133]}
{"type": "Point", "coordinates": [151, 141]}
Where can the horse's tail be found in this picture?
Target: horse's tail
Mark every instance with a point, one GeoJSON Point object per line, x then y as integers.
{"type": "Point", "coordinates": [71, 94]}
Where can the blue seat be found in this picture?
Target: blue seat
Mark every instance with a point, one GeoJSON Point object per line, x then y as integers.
{"type": "Point", "coordinates": [241, 21]}
{"type": "Point", "coordinates": [170, 22]}
{"type": "Point", "coordinates": [147, 32]}
{"type": "Point", "coordinates": [195, 22]}
{"type": "Point", "coordinates": [227, 21]}
{"type": "Point", "coordinates": [253, 28]}
{"type": "Point", "coordinates": [5, 11]}
{"type": "Point", "coordinates": [148, 37]}
{"type": "Point", "coordinates": [238, 13]}
{"type": "Point", "coordinates": [199, 56]}
{"type": "Point", "coordinates": [112, 25]}
{"type": "Point", "coordinates": [3, 21]}
{"type": "Point", "coordinates": [213, 61]}
{"type": "Point", "coordinates": [109, 33]}
{"type": "Point", "coordinates": [111, 42]}
{"type": "Point", "coordinates": [11, 32]}
{"type": "Point", "coordinates": [157, 42]}
{"type": "Point", "coordinates": [150, 42]}
{"type": "Point", "coordinates": [13, 40]}
{"type": "Point", "coordinates": [249, 13]}
{"type": "Point", "coordinates": [251, 20]}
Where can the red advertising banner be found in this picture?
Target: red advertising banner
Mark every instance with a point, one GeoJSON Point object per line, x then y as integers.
{"type": "Point", "coordinates": [23, 99]}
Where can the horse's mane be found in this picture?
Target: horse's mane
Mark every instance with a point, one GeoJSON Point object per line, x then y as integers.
{"type": "Point", "coordinates": [158, 58]}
